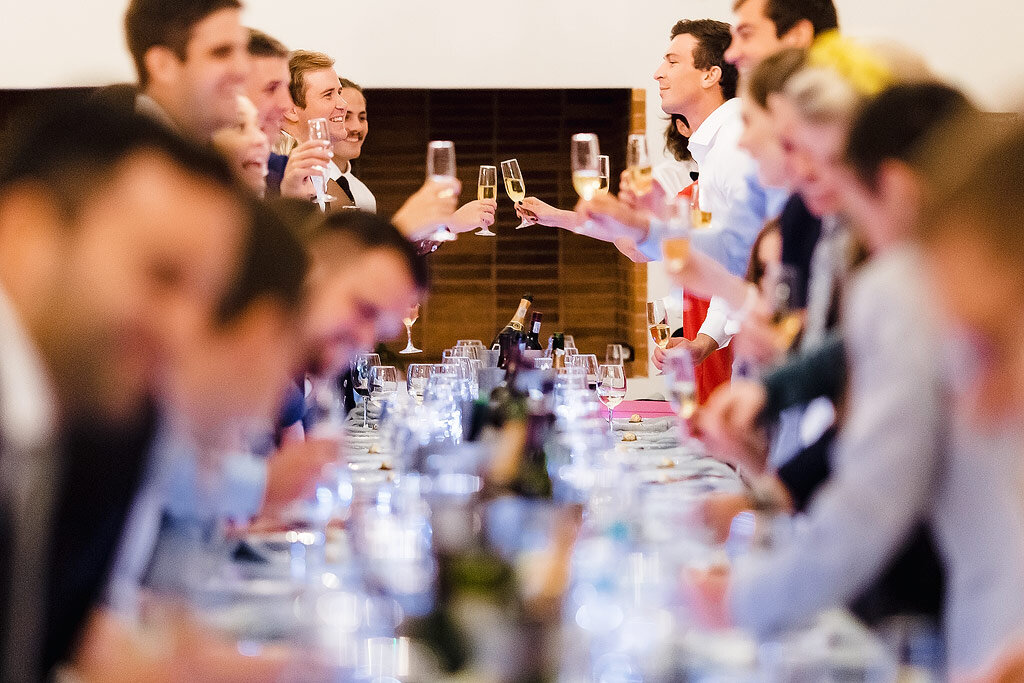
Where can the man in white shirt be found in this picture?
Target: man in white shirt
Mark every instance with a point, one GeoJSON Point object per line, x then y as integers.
{"type": "Point", "coordinates": [351, 146]}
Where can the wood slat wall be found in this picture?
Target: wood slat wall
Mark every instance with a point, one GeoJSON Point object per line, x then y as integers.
{"type": "Point", "coordinates": [583, 287]}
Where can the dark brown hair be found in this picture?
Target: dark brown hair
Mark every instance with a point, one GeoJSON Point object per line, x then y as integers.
{"type": "Point", "coordinates": [755, 268]}
{"type": "Point", "coordinates": [713, 38]}
{"type": "Point", "coordinates": [149, 23]}
{"type": "Point", "coordinates": [770, 76]}
{"type": "Point", "coordinates": [345, 83]}
{"type": "Point", "coordinates": [675, 142]}
{"type": "Point", "coordinates": [263, 45]}
{"type": "Point", "coordinates": [786, 14]}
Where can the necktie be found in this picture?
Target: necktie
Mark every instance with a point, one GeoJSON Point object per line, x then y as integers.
{"type": "Point", "coordinates": [346, 188]}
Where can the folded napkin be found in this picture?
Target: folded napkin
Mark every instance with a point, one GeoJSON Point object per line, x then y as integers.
{"type": "Point", "coordinates": [650, 441]}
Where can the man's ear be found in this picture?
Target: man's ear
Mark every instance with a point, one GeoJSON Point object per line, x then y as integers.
{"type": "Point", "coordinates": [801, 35]}
{"type": "Point", "coordinates": [711, 77]}
{"type": "Point", "coordinates": [162, 64]}
{"type": "Point", "coordinates": [292, 114]}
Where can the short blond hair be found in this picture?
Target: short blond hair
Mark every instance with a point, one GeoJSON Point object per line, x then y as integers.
{"type": "Point", "coordinates": [301, 63]}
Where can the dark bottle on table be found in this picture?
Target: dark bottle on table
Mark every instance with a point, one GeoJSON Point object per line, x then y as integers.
{"type": "Point", "coordinates": [517, 325]}
{"type": "Point", "coordinates": [533, 335]}
{"type": "Point", "coordinates": [558, 350]}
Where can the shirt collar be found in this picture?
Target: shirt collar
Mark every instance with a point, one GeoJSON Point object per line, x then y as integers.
{"type": "Point", "coordinates": [27, 405]}
{"type": "Point", "coordinates": [333, 172]}
{"type": "Point", "coordinates": [147, 106]}
{"type": "Point", "coordinates": [704, 137]}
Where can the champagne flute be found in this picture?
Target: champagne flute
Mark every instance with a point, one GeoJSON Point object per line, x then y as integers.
{"type": "Point", "coordinates": [603, 172]}
{"type": "Point", "coordinates": [514, 185]}
{"type": "Point", "coordinates": [657, 323]}
{"type": "Point", "coordinates": [638, 164]}
{"type": "Point", "coordinates": [318, 131]}
{"type": "Point", "coordinates": [487, 188]}
{"type": "Point", "coordinates": [416, 376]}
{"type": "Point", "coordinates": [411, 316]}
{"type": "Point", "coordinates": [584, 154]}
{"type": "Point", "coordinates": [441, 169]}
{"type": "Point", "coordinates": [383, 383]}
{"type": "Point", "coordinates": [611, 388]}
{"type": "Point", "coordinates": [681, 382]}
{"type": "Point", "coordinates": [362, 367]}
{"type": "Point", "coordinates": [613, 354]}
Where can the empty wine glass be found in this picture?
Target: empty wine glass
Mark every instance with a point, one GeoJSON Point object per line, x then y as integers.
{"type": "Point", "coordinates": [587, 361]}
{"type": "Point", "coordinates": [613, 354]}
{"type": "Point", "coordinates": [543, 363]}
{"type": "Point", "coordinates": [603, 172]}
{"type": "Point", "coordinates": [383, 383]}
{"type": "Point", "coordinates": [638, 164]}
{"type": "Point", "coordinates": [416, 376]}
{"type": "Point", "coordinates": [411, 316]}
{"type": "Point", "coordinates": [362, 366]}
{"type": "Point", "coordinates": [487, 188]}
{"type": "Point", "coordinates": [441, 169]}
{"type": "Point", "coordinates": [318, 130]}
{"type": "Point", "coordinates": [611, 388]}
{"type": "Point", "coordinates": [514, 185]}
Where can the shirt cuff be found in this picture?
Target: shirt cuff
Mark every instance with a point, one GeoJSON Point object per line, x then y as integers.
{"type": "Point", "coordinates": [716, 322]}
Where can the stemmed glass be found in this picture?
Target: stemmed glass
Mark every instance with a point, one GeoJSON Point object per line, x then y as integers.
{"type": "Point", "coordinates": [603, 172]}
{"type": "Point", "coordinates": [383, 383]}
{"type": "Point", "coordinates": [441, 169]}
{"type": "Point", "coordinates": [411, 316]}
{"type": "Point", "coordinates": [318, 131]}
{"type": "Point", "coordinates": [611, 388]}
{"type": "Point", "coordinates": [362, 367]}
{"type": "Point", "coordinates": [514, 185]}
{"type": "Point", "coordinates": [587, 361]}
{"type": "Point", "coordinates": [638, 164]}
{"type": "Point", "coordinates": [613, 354]}
{"type": "Point", "coordinates": [487, 188]}
{"type": "Point", "coordinates": [783, 282]}
{"type": "Point", "coordinates": [681, 383]}
{"type": "Point", "coordinates": [586, 165]}
{"type": "Point", "coordinates": [416, 376]}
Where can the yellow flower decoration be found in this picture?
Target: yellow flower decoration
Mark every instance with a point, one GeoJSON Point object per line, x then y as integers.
{"type": "Point", "coordinates": [856, 64]}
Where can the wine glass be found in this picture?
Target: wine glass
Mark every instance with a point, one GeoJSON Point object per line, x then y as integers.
{"type": "Point", "coordinates": [611, 388]}
{"type": "Point", "coordinates": [543, 363]}
{"type": "Point", "coordinates": [416, 376]}
{"type": "Point", "coordinates": [613, 354]}
{"type": "Point", "coordinates": [587, 361]}
{"type": "Point", "coordinates": [487, 188]}
{"type": "Point", "coordinates": [681, 382]}
{"type": "Point", "coordinates": [603, 172]}
{"type": "Point", "coordinates": [362, 366]}
{"type": "Point", "coordinates": [411, 316]}
{"type": "Point", "coordinates": [586, 166]}
{"type": "Point", "coordinates": [441, 169]}
{"type": "Point", "coordinates": [514, 185]}
{"type": "Point", "coordinates": [638, 164]}
{"type": "Point", "coordinates": [698, 216]}
{"type": "Point", "coordinates": [383, 383]}
{"type": "Point", "coordinates": [657, 323]}
{"type": "Point", "coordinates": [570, 341]}
{"type": "Point", "coordinates": [318, 131]}
{"type": "Point", "coordinates": [782, 287]}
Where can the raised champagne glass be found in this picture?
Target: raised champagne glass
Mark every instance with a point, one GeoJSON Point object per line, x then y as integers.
{"type": "Point", "coordinates": [487, 188]}
{"type": "Point", "coordinates": [514, 185]}
{"type": "Point", "coordinates": [411, 316]}
{"type": "Point", "coordinates": [318, 131]}
{"type": "Point", "coordinates": [441, 169]}
{"type": "Point", "coordinates": [638, 164]}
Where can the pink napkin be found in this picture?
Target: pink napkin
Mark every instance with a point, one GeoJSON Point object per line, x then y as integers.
{"type": "Point", "coordinates": [644, 409]}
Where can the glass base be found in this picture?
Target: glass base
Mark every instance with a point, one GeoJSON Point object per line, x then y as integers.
{"type": "Point", "coordinates": [411, 349]}
{"type": "Point", "coordinates": [484, 232]}
{"type": "Point", "coordinates": [443, 235]}
{"type": "Point", "coordinates": [522, 225]}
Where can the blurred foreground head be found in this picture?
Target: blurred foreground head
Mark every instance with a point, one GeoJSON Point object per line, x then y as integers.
{"type": "Point", "coordinates": [364, 274]}
{"type": "Point", "coordinates": [117, 241]}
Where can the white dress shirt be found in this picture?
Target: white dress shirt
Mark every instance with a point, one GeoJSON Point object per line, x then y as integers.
{"type": "Point", "coordinates": [361, 195]}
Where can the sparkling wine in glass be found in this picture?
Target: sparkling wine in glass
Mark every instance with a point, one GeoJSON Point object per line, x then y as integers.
{"type": "Point", "coordinates": [657, 323]}
{"type": "Point", "coordinates": [611, 388]}
{"type": "Point", "coordinates": [318, 131]}
{"type": "Point", "coordinates": [514, 185]}
{"type": "Point", "coordinates": [411, 316]}
{"type": "Point", "coordinates": [680, 381]}
{"type": "Point", "coordinates": [362, 367]}
{"type": "Point", "coordinates": [441, 169]}
{"type": "Point", "coordinates": [487, 188]}
{"type": "Point", "coordinates": [638, 164]}
{"type": "Point", "coordinates": [584, 154]}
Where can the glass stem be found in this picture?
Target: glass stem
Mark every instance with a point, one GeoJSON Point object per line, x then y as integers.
{"type": "Point", "coordinates": [408, 334]}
